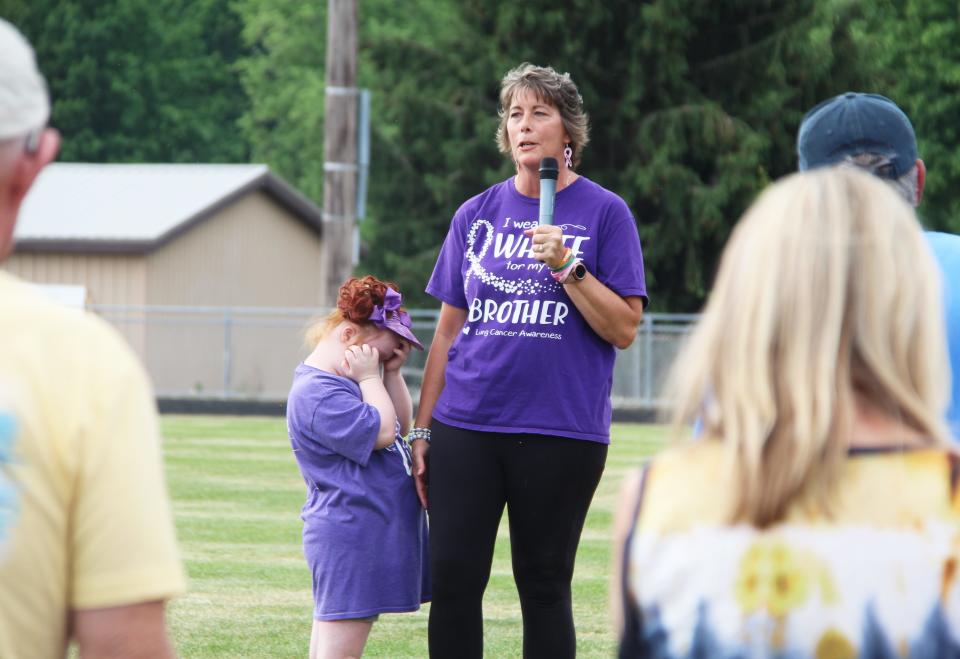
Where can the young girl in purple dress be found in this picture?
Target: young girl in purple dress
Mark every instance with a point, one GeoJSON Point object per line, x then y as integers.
{"type": "Point", "coordinates": [364, 531]}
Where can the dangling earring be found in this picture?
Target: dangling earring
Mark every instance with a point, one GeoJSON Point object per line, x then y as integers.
{"type": "Point", "coordinates": [568, 156]}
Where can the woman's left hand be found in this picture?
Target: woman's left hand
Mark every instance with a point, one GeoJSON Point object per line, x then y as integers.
{"type": "Point", "coordinates": [398, 359]}
{"type": "Point", "coordinates": [420, 449]}
{"type": "Point", "coordinates": [547, 244]}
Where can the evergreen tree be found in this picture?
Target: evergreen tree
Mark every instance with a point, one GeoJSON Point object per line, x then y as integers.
{"type": "Point", "coordinates": [434, 112]}
{"type": "Point", "coordinates": [919, 65]}
{"type": "Point", "coordinates": [694, 107]}
{"type": "Point", "coordinates": [283, 80]}
{"type": "Point", "coordinates": [433, 119]}
{"type": "Point", "coordinates": [13, 11]}
{"type": "Point", "coordinates": [694, 104]}
{"type": "Point", "coordinates": [141, 81]}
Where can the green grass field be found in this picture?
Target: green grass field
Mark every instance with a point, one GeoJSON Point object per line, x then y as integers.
{"type": "Point", "coordinates": [237, 495]}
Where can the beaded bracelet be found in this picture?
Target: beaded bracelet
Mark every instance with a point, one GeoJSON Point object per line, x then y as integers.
{"type": "Point", "coordinates": [566, 261]}
{"type": "Point", "coordinates": [561, 276]}
{"type": "Point", "coordinates": [419, 433]}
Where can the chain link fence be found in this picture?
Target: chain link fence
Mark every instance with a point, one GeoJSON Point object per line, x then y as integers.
{"type": "Point", "coordinates": [249, 354]}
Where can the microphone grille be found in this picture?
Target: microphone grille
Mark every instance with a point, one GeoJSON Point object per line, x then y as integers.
{"type": "Point", "coordinates": [549, 168]}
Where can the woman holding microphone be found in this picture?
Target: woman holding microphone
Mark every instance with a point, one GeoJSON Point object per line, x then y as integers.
{"type": "Point", "coordinates": [515, 406]}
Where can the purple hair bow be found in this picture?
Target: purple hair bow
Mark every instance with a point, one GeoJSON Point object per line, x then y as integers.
{"type": "Point", "coordinates": [390, 309]}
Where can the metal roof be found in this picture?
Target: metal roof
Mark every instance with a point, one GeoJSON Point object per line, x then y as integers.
{"type": "Point", "coordinates": [119, 207]}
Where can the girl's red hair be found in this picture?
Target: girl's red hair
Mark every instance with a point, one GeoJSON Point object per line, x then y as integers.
{"type": "Point", "coordinates": [358, 296]}
{"type": "Point", "coordinates": [355, 302]}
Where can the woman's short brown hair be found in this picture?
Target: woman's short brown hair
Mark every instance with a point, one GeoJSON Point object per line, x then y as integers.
{"type": "Point", "coordinates": [557, 89]}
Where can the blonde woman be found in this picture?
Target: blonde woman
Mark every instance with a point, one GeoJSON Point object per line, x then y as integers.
{"type": "Point", "coordinates": [819, 515]}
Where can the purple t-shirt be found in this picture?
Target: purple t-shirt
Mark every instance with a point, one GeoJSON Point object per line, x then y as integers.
{"type": "Point", "coordinates": [364, 531]}
{"type": "Point", "coordinates": [526, 361]}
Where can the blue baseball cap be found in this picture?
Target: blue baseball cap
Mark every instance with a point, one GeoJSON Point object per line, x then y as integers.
{"type": "Point", "coordinates": [852, 124]}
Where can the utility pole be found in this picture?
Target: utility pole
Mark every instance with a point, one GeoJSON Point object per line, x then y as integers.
{"type": "Point", "coordinates": [340, 147]}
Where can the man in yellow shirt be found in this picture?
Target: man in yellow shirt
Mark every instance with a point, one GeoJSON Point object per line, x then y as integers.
{"type": "Point", "coordinates": [87, 546]}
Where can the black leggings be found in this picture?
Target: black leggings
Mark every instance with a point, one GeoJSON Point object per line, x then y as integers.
{"type": "Point", "coordinates": [547, 484]}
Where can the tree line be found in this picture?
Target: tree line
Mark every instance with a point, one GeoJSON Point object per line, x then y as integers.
{"type": "Point", "coordinates": [693, 104]}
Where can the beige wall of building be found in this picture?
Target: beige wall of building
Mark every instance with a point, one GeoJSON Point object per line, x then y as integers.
{"type": "Point", "coordinates": [109, 279]}
{"type": "Point", "coordinates": [252, 253]}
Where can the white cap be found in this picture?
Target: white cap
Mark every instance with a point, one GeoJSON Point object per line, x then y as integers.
{"type": "Point", "coordinates": [24, 102]}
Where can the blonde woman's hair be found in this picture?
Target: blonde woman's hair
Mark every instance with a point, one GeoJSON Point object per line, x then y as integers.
{"type": "Point", "coordinates": [826, 296]}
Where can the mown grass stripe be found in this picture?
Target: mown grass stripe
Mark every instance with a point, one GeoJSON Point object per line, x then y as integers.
{"type": "Point", "coordinates": [237, 497]}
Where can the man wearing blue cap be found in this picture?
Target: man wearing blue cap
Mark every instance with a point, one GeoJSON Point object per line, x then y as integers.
{"type": "Point", "coordinates": [869, 131]}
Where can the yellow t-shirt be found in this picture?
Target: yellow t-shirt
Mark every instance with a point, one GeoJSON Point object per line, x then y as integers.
{"type": "Point", "coordinates": [85, 521]}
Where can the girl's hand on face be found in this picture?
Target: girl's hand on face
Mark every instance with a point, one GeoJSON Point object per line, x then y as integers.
{"type": "Point", "coordinates": [360, 362]}
{"type": "Point", "coordinates": [398, 359]}
{"type": "Point", "coordinates": [547, 244]}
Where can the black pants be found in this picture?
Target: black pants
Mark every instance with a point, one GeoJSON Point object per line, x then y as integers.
{"type": "Point", "coordinates": [547, 484]}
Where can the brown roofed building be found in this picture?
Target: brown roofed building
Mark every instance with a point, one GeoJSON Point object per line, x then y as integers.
{"type": "Point", "coordinates": [145, 237]}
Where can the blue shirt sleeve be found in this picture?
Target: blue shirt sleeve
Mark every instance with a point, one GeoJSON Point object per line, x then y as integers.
{"type": "Point", "coordinates": [946, 250]}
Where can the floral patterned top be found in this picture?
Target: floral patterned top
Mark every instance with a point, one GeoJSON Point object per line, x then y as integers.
{"type": "Point", "coordinates": [874, 577]}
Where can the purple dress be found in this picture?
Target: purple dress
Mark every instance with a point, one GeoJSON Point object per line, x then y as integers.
{"type": "Point", "coordinates": [364, 531]}
{"type": "Point", "coordinates": [526, 360]}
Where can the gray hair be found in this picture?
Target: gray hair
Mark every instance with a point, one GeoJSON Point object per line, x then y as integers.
{"type": "Point", "coordinates": [24, 100]}
{"type": "Point", "coordinates": [905, 186]}
{"type": "Point", "coordinates": [557, 89]}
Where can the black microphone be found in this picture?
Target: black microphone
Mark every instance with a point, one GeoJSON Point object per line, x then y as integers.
{"type": "Point", "coordinates": [549, 170]}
